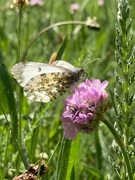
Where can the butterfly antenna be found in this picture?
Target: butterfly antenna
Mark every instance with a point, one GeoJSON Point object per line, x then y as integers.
{"type": "Point", "coordinates": [86, 63]}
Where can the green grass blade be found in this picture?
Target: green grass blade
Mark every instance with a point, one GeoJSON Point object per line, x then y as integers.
{"type": "Point", "coordinates": [62, 48]}
{"type": "Point", "coordinates": [7, 88]}
{"type": "Point", "coordinates": [73, 159]}
{"type": "Point", "coordinates": [63, 159]}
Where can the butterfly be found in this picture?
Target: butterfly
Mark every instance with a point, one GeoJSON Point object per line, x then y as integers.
{"type": "Point", "coordinates": [44, 82]}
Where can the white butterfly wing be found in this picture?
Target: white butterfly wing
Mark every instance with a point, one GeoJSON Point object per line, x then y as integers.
{"type": "Point", "coordinates": [45, 82]}
{"type": "Point", "coordinates": [24, 71]}
{"type": "Point", "coordinates": [66, 65]}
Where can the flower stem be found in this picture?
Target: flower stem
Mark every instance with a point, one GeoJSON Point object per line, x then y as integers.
{"type": "Point", "coordinates": [98, 151]}
{"type": "Point", "coordinates": [56, 25]}
{"type": "Point", "coordinates": [121, 145]}
{"type": "Point", "coordinates": [19, 34]}
{"type": "Point", "coordinates": [18, 60]}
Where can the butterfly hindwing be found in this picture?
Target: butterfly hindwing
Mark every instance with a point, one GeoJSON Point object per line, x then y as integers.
{"type": "Point", "coordinates": [46, 87]}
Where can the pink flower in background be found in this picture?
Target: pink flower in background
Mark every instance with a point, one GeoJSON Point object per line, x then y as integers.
{"type": "Point", "coordinates": [74, 7]}
{"type": "Point", "coordinates": [36, 2]}
{"type": "Point", "coordinates": [100, 2]}
{"type": "Point", "coordinates": [84, 108]}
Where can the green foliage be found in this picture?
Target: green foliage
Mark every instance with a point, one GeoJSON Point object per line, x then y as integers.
{"type": "Point", "coordinates": [31, 131]}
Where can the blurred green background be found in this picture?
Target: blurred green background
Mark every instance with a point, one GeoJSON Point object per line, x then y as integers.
{"type": "Point", "coordinates": [40, 128]}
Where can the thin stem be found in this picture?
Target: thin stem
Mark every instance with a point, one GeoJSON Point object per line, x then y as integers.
{"type": "Point", "coordinates": [98, 151]}
{"type": "Point", "coordinates": [123, 149]}
{"type": "Point", "coordinates": [18, 60]}
{"type": "Point", "coordinates": [56, 25]}
{"type": "Point", "coordinates": [19, 34]}
{"type": "Point", "coordinates": [53, 152]}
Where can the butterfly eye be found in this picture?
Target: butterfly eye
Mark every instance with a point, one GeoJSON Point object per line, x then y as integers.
{"type": "Point", "coordinates": [85, 76]}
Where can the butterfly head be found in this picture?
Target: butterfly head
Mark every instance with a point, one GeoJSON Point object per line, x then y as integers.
{"type": "Point", "coordinates": [81, 75]}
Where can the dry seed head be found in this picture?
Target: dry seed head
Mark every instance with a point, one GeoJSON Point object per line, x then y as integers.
{"type": "Point", "coordinates": [20, 3]}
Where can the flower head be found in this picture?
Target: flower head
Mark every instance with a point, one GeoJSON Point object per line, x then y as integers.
{"type": "Point", "coordinates": [20, 3]}
{"type": "Point", "coordinates": [74, 7]}
{"type": "Point", "coordinates": [100, 2]}
{"type": "Point", "coordinates": [84, 108]}
{"type": "Point", "coordinates": [36, 2]}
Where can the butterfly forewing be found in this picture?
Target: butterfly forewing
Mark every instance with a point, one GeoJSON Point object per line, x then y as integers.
{"type": "Point", "coordinates": [45, 82]}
